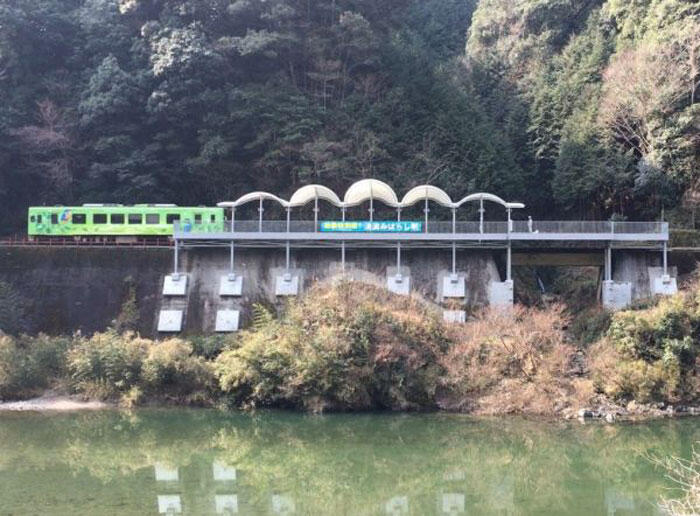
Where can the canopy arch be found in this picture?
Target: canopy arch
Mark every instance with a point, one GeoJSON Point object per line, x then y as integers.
{"type": "Point", "coordinates": [308, 193]}
{"type": "Point", "coordinates": [429, 192]}
{"type": "Point", "coordinates": [488, 197]}
{"type": "Point", "coordinates": [370, 189]}
{"type": "Point", "coordinates": [251, 197]}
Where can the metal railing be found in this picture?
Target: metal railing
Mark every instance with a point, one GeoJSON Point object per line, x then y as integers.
{"type": "Point", "coordinates": [445, 227]}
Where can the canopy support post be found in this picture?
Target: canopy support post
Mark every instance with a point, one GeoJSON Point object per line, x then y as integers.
{"type": "Point", "coordinates": [426, 210]}
{"type": "Point", "coordinates": [260, 219]}
{"type": "Point", "coordinates": [316, 214]}
{"type": "Point", "coordinates": [175, 260]}
{"type": "Point", "coordinates": [398, 245]}
{"type": "Point", "coordinates": [454, 242]}
{"type": "Point", "coordinates": [665, 253]}
{"type": "Point", "coordinates": [481, 215]}
{"type": "Point", "coordinates": [342, 243]}
{"type": "Point", "coordinates": [287, 250]}
{"type": "Point", "coordinates": [509, 262]}
{"type": "Point", "coordinates": [232, 274]}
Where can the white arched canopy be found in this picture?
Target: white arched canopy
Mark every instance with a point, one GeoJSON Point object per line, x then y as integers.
{"type": "Point", "coordinates": [253, 196]}
{"type": "Point", "coordinates": [478, 197]}
{"type": "Point", "coordinates": [370, 189]}
{"type": "Point", "coordinates": [308, 193]}
{"type": "Point", "coordinates": [429, 192]}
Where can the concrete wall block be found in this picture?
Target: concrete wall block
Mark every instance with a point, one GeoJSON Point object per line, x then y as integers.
{"type": "Point", "coordinates": [231, 285]}
{"type": "Point", "coordinates": [287, 285]}
{"type": "Point", "coordinates": [660, 284]}
{"type": "Point", "coordinates": [227, 320]}
{"type": "Point", "coordinates": [288, 282]}
{"type": "Point", "coordinates": [170, 321]}
{"type": "Point", "coordinates": [175, 285]}
{"type": "Point", "coordinates": [398, 281]}
{"type": "Point", "coordinates": [399, 284]}
{"type": "Point", "coordinates": [617, 295]}
{"type": "Point", "coordinates": [665, 286]}
{"type": "Point", "coordinates": [454, 316]}
{"type": "Point", "coordinates": [453, 285]}
{"type": "Point", "coordinates": [501, 293]}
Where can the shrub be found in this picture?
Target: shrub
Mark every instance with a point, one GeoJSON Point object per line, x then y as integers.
{"type": "Point", "coordinates": [209, 346]}
{"type": "Point", "coordinates": [28, 365]}
{"type": "Point", "coordinates": [171, 369]}
{"type": "Point", "coordinates": [349, 347]}
{"type": "Point", "coordinates": [109, 365]}
{"type": "Point", "coordinates": [588, 326]}
{"type": "Point", "coordinates": [106, 363]}
{"type": "Point", "coordinates": [652, 354]}
{"type": "Point", "coordinates": [517, 361]}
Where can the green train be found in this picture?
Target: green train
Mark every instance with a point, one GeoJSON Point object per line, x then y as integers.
{"type": "Point", "coordinates": [116, 222]}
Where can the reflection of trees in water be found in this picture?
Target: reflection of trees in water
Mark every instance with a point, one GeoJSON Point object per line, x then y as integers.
{"type": "Point", "coordinates": [347, 464]}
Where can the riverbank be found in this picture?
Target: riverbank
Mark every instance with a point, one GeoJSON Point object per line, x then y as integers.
{"type": "Point", "coordinates": [354, 347]}
{"type": "Point", "coordinates": [51, 401]}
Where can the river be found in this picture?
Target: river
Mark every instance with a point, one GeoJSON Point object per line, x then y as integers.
{"type": "Point", "coordinates": [186, 461]}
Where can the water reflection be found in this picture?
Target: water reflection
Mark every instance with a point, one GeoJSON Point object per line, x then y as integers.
{"type": "Point", "coordinates": [206, 462]}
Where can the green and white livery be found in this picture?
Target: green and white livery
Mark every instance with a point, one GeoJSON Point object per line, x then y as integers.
{"type": "Point", "coordinates": [116, 220]}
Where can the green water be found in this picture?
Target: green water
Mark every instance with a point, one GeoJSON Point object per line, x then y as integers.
{"type": "Point", "coordinates": [282, 463]}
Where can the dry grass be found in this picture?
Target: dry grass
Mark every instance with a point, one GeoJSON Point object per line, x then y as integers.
{"type": "Point", "coordinates": [513, 362]}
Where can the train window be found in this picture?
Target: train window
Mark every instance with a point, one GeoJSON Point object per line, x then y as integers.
{"type": "Point", "coordinates": [116, 218]}
{"type": "Point", "coordinates": [152, 218]}
{"type": "Point", "coordinates": [79, 218]}
{"type": "Point", "coordinates": [198, 218]}
{"type": "Point", "coordinates": [171, 218]}
{"type": "Point", "coordinates": [32, 218]}
{"type": "Point", "coordinates": [38, 219]}
{"type": "Point", "coordinates": [135, 218]}
{"type": "Point", "coordinates": [213, 218]}
{"type": "Point", "coordinates": [54, 218]}
{"type": "Point", "coordinates": [99, 218]}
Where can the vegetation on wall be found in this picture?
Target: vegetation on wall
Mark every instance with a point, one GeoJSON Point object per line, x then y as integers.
{"type": "Point", "coordinates": [351, 346]}
{"type": "Point", "coordinates": [588, 107]}
{"type": "Point", "coordinates": [652, 354]}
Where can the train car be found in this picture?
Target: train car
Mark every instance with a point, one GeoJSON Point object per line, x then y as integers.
{"type": "Point", "coordinates": [120, 223]}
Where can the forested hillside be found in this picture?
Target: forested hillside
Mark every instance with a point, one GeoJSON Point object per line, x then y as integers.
{"type": "Point", "coordinates": [575, 107]}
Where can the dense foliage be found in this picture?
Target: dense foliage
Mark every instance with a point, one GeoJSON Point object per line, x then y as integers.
{"type": "Point", "coordinates": [652, 354]}
{"type": "Point", "coordinates": [348, 346]}
{"type": "Point", "coordinates": [352, 347]}
{"type": "Point", "coordinates": [588, 106]}
{"type": "Point", "coordinates": [109, 365]}
{"type": "Point", "coordinates": [30, 364]}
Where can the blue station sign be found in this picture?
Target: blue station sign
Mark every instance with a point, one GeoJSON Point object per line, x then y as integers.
{"type": "Point", "coordinates": [366, 226]}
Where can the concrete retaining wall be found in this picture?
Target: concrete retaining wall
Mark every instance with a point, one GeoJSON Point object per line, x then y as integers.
{"type": "Point", "coordinates": [71, 289]}
{"type": "Point", "coordinates": [83, 288]}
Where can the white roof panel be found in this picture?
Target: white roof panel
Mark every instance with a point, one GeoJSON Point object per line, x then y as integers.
{"type": "Point", "coordinates": [367, 189]}
{"type": "Point", "coordinates": [422, 192]}
{"type": "Point", "coordinates": [308, 193]}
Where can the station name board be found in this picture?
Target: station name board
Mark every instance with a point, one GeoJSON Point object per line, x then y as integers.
{"type": "Point", "coordinates": [366, 226]}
